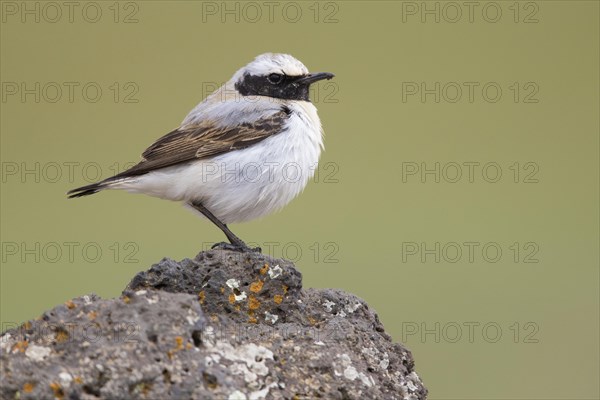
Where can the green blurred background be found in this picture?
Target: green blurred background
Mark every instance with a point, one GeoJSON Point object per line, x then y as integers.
{"type": "Point", "coordinates": [368, 221]}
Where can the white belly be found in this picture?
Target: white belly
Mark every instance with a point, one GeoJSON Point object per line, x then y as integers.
{"type": "Point", "coordinates": [245, 184]}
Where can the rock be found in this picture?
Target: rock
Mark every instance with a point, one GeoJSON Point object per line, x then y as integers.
{"type": "Point", "coordinates": [224, 325]}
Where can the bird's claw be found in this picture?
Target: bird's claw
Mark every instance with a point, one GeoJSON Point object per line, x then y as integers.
{"type": "Point", "coordinates": [236, 247]}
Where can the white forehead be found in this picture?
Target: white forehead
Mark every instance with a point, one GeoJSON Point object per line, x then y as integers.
{"type": "Point", "coordinates": [269, 63]}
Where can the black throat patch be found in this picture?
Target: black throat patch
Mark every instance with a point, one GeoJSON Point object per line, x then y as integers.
{"type": "Point", "coordinates": [288, 88]}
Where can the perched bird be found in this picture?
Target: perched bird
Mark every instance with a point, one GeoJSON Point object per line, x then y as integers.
{"type": "Point", "coordinates": [244, 152]}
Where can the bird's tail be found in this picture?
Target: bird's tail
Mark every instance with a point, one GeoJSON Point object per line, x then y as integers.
{"type": "Point", "coordinates": [86, 190]}
{"type": "Point", "coordinates": [92, 188]}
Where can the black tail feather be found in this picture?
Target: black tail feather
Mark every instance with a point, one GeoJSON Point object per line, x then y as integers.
{"type": "Point", "coordinates": [86, 190]}
{"type": "Point", "coordinates": [96, 187]}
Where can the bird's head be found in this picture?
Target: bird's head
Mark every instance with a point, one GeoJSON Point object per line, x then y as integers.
{"type": "Point", "coordinates": [278, 76]}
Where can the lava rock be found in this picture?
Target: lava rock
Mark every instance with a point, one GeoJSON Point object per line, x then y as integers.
{"type": "Point", "coordinates": [225, 325]}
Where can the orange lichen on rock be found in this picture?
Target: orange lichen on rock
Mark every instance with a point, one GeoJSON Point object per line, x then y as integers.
{"type": "Point", "coordinates": [57, 389]}
{"type": "Point", "coordinates": [252, 319]}
{"type": "Point", "coordinates": [61, 336]}
{"type": "Point", "coordinates": [179, 342]}
{"type": "Point", "coordinates": [312, 320]}
{"type": "Point", "coordinates": [253, 303]}
{"type": "Point", "coordinates": [92, 315]}
{"type": "Point", "coordinates": [201, 297]}
{"type": "Point", "coordinates": [126, 299]}
{"type": "Point", "coordinates": [278, 298]}
{"type": "Point", "coordinates": [232, 298]}
{"type": "Point", "coordinates": [264, 269]}
{"type": "Point", "coordinates": [145, 388]}
{"type": "Point", "coordinates": [256, 286]}
{"type": "Point", "coordinates": [28, 387]}
{"type": "Point", "coordinates": [178, 347]}
{"type": "Point", "coordinates": [70, 305]}
{"type": "Point", "coordinates": [285, 289]}
{"type": "Point", "coordinates": [20, 346]}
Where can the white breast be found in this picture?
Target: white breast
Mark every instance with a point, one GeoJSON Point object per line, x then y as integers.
{"type": "Point", "coordinates": [250, 183]}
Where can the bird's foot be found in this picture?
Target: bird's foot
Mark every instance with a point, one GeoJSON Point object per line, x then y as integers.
{"type": "Point", "coordinates": [241, 247]}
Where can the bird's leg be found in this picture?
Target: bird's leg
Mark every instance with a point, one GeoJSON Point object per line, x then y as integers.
{"type": "Point", "coordinates": [235, 243]}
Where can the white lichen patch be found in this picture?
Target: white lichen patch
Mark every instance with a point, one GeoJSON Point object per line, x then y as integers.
{"type": "Point", "coordinates": [366, 379]}
{"type": "Point", "coordinates": [5, 343]}
{"type": "Point", "coordinates": [212, 359]}
{"type": "Point", "coordinates": [262, 394]}
{"type": "Point", "coordinates": [37, 353]}
{"type": "Point", "coordinates": [376, 358]}
{"type": "Point", "coordinates": [275, 271]}
{"type": "Point", "coordinates": [237, 395]}
{"type": "Point", "coordinates": [350, 373]}
{"type": "Point", "coordinates": [233, 283]}
{"type": "Point", "coordinates": [385, 361]}
{"type": "Point", "coordinates": [140, 292]}
{"type": "Point", "coordinates": [319, 343]}
{"type": "Point", "coordinates": [65, 378]}
{"type": "Point", "coordinates": [240, 297]}
{"type": "Point", "coordinates": [248, 360]}
{"type": "Point", "coordinates": [341, 314]}
{"type": "Point", "coordinates": [272, 318]}
{"type": "Point", "coordinates": [410, 386]}
{"type": "Point", "coordinates": [152, 299]}
{"type": "Point", "coordinates": [343, 367]}
{"type": "Point", "coordinates": [344, 361]}
{"type": "Point", "coordinates": [192, 317]}
{"type": "Point", "coordinates": [86, 300]}
{"type": "Point", "coordinates": [328, 305]}
{"type": "Point", "coordinates": [414, 378]}
{"type": "Point", "coordinates": [352, 308]}
{"type": "Point", "coordinates": [242, 369]}
{"type": "Point", "coordinates": [371, 352]}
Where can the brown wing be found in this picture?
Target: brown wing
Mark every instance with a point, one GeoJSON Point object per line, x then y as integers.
{"type": "Point", "coordinates": [205, 140]}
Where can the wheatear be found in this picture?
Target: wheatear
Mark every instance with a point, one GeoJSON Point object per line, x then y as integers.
{"type": "Point", "coordinates": [244, 152]}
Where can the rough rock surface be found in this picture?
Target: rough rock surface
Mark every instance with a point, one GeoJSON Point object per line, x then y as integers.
{"type": "Point", "coordinates": [224, 325]}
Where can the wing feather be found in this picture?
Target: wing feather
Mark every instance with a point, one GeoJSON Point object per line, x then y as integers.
{"type": "Point", "coordinates": [205, 140]}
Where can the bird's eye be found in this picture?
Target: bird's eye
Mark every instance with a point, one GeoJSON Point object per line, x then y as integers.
{"type": "Point", "coordinates": [275, 78]}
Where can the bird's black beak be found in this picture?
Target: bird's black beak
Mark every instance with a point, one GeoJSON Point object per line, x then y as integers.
{"type": "Point", "coordinates": [317, 76]}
